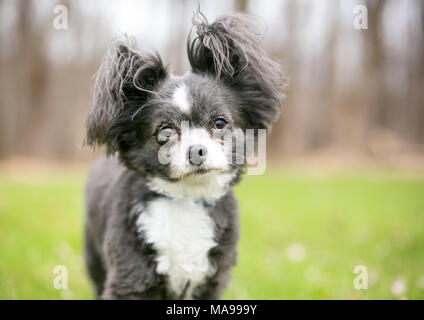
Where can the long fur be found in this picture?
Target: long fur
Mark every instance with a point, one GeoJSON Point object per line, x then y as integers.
{"type": "Point", "coordinates": [231, 48]}
{"type": "Point", "coordinates": [124, 74]}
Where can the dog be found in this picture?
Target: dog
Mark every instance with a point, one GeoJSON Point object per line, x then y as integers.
{"type": "Point", "coordinates": [169, 229]}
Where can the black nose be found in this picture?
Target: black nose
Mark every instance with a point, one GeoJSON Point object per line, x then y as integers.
{"type": "Point", "coordinates": [197, 154]}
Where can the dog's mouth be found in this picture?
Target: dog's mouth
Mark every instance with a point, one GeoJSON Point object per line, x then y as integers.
{"type": "Point", "coordinates": [201, 172]}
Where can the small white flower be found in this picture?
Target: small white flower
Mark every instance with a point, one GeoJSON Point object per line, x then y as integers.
{"type": "Point", "coordinates": [399, 287]}
{"type": "Point", "coordinates": [296, 253]}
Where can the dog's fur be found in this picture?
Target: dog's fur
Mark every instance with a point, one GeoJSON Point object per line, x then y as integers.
{"type": "Point", "coordinates": [158, 231]}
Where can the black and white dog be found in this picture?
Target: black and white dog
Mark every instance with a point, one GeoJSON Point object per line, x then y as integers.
{"type": "Point", "coordinates": [162, 221]}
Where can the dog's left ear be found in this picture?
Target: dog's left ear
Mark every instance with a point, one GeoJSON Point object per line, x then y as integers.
{"type": "Point", "coordinates": [231, 50]}
{"type": "Point", "coordinates": [124, 76]}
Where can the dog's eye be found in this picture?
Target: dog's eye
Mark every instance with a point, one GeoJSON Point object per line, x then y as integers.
{"type": "Point", "coordinates": [165, 134]}
{"type": "Point", "coordinates": [219, 123]}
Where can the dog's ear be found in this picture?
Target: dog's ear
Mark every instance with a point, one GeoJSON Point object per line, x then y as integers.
{"type": "Point", "coordinates": [231, 50]}
{"type": "Point", "coordinates": [124, 75]}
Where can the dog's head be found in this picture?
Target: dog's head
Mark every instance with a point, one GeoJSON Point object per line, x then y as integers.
{"type": "Point", "coordinates": [173, 128]}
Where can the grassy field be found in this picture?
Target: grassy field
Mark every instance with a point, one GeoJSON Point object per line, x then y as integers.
{"type": "Point", "coordinates": [302, 235]}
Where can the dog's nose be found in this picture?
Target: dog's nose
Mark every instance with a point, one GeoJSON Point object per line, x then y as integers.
{"type": "Point", "coordinates": [197, 154]}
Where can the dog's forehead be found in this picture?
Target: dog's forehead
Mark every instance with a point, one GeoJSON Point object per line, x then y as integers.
{"type": "Point", "coordinates": [195, 97]}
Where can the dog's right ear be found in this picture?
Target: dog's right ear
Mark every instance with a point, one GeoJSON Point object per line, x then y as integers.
{"type": "Point", "coordinates": [124, 75]}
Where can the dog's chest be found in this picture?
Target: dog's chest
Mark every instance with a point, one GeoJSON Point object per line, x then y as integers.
{"type": "Point", "coordinates": [182, 234]}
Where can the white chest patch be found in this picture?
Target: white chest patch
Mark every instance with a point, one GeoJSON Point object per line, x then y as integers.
{"type": "Point", "coordinates": [182, 232]}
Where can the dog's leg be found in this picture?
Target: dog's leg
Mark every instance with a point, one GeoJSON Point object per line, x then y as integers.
{"type": "Point", "coordinates": [94, 265]}
{"type": "Point", "coordinates": [212, 289]}
{"type": "Point", "coordinates": [131, 268]}
{"type": "Point", "coordinates": [119, 288]}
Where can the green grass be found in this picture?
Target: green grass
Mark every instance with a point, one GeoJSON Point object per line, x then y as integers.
{"type": "Point", "coordinates": [330, 223]}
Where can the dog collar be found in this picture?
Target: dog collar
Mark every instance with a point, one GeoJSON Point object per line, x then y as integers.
{"type": "Point", "coordinates": [201, 202]}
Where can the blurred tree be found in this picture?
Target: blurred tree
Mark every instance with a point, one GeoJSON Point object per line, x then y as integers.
{"type": "Point", "coordinates": [241, 5]}
{"type": "Point", "coordinates": [374, 110]}
{"type": "Point", "coordinates": [3, 144]}
{"type": "Point", "coordinates": [413, 121]}
{"type": "Point", "coordinates": [30, 61]}
{"type": "Point", "coordinates": [177, 45]}
{"type": "Point", "coordinates": [287, 133]}
{"type": "Point", "coordinates": [320, 126]}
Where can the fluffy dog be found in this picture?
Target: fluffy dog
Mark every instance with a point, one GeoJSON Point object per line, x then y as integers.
{"type": "Point", "coordinates": [162, 221]}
